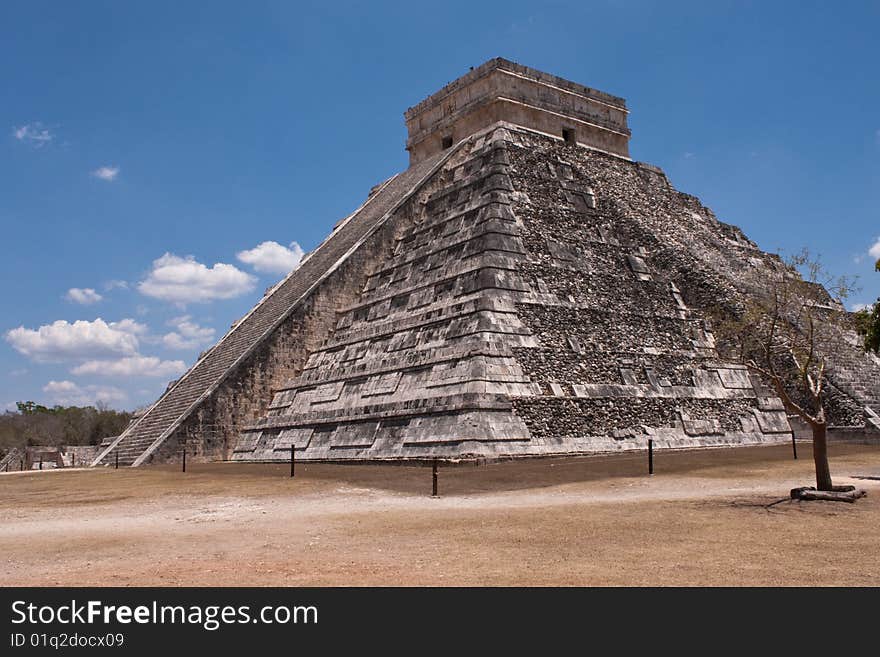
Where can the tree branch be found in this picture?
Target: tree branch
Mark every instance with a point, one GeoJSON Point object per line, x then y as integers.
{"type": "Point", "coordinates": [787, 401]}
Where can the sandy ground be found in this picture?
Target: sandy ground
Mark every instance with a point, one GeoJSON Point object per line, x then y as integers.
{"type": "Point", "coordinates": [701, 520]}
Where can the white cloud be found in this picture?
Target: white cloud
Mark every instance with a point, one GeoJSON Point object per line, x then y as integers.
{"type": "Point", "coordinates": [60, 386]}
{"type": "Point", "coordinates": [185, 280]}
{"type": "Point", "coordinates": [80, 340]}
{"type": "Point", "coordinates": [115, 285]}
{"type": "Point", "coordinates": [874, 251]}
{"type": "Point", "coordinates": [130, 326]}
{"type": "Point", "coordinates": [68, 393]}
{"type": "Point", "coordinates": [187, 334]}
{"type": "Point", "coordinates": [131, 366]}
{"type": "Point", "coordinates": [272, 257]}
{"type": "Point", "coordinates": [35, 134]}
{"type": "Point", "coordinates": [19, 372]}
{"type": "Point", "coordinates": [83, 295]}
{"type": "Point", "coordinates": [856, 307]}
{"type": "Point", "coordinates": [106, 173]}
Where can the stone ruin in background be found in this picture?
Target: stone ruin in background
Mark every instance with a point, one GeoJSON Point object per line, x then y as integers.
{"type": "Point", "coordinates": [48, 457]}
{"type": "Point", "coordinates": [523, 288]}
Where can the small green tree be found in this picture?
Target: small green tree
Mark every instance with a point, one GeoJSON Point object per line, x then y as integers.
{"type": "Point", "coordinates": [29, 408]}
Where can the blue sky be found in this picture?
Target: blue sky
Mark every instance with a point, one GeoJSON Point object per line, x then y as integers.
{"type": "Point", "coordinates": [161, 161]}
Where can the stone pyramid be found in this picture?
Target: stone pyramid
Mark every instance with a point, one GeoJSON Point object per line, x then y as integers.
{"type": "Point", "coordinates": [523, 288]}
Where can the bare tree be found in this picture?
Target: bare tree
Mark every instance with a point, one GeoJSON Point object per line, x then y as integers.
{"type": "Point", "coordinates": [786, 333]}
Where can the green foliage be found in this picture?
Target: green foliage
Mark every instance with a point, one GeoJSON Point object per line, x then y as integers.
{"type": "Point", "coordinates": [29, 408]}
{"type": "Point", "coordinates": [34, 424]}
{"type": "Point", "coordinates": [868, 324]}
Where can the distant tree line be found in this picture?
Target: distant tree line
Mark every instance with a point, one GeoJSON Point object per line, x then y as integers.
{"type": "Point", "coordinates": [33, 424]}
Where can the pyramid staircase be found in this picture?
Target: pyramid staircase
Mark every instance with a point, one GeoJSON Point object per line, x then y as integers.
{"type": "Point", "coordinates": [858, 375]}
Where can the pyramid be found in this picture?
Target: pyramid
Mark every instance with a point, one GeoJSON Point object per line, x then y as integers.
{"type": "Point", "coordinates": [524, 288]}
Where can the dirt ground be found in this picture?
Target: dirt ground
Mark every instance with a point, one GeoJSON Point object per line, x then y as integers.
{"type": "Point", "coordinates": [701, 519]}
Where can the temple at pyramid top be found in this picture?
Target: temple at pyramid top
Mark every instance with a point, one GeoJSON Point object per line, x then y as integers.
{"type": "Point", "coordinates": [501, 90]}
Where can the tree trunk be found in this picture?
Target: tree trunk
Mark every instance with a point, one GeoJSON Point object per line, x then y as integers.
{"type": "Point", "coordinates": [820, 457]}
